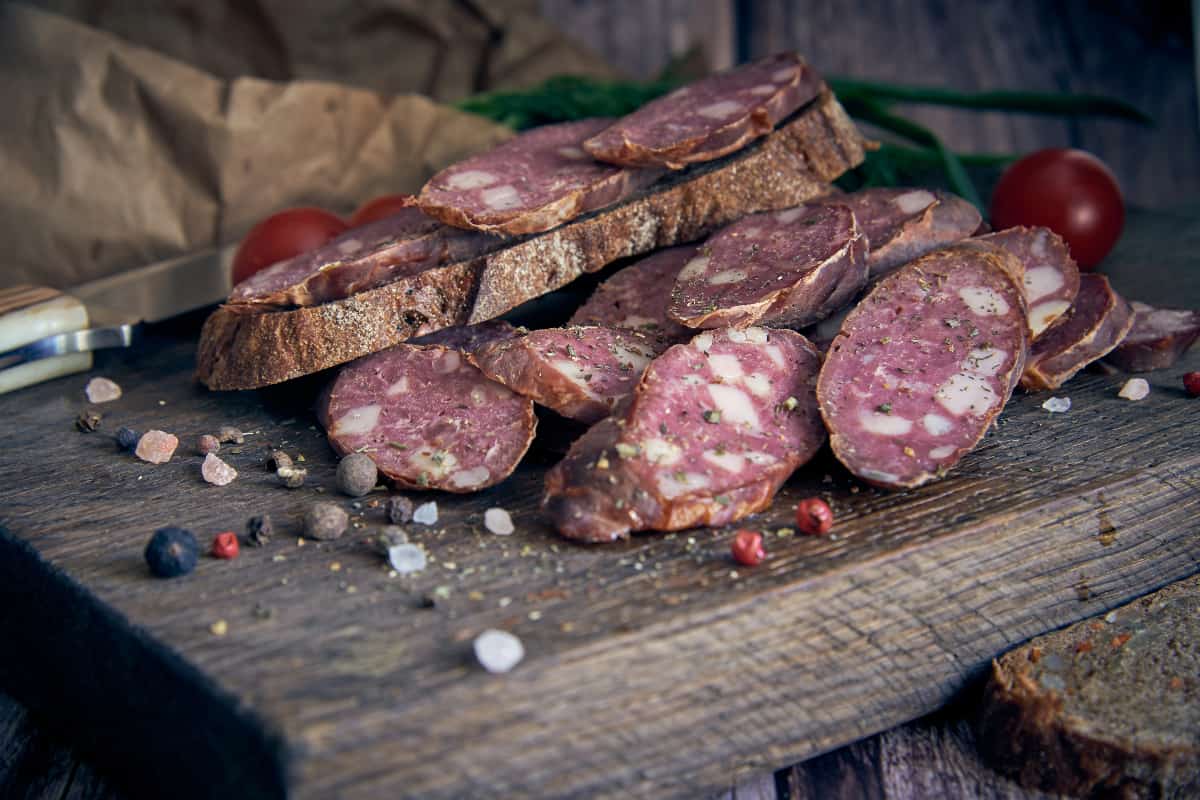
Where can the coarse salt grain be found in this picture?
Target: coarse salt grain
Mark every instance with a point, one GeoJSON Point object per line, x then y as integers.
{"type": "Point", "coordinates": [407, 558]}
{"type": "Point", "coordinates": [101, 390]}
{"type": "Point", "coordinates": [157, 447]}
{"type": "Point", "coordinates": [1057, 405]}
{"type": "Point", "coordinates": [498, 651]}
{"type": "Point", "coordinates": [498, 521]}
{"type": "Point", "coordinates": [216, 471]}
{"type": "Point", "coordinates": [426, 513]}
{"type": "Point", "coordinates": [1134, 389]}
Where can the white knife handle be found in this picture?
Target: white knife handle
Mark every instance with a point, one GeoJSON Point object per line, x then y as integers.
{"type": "Point", "coordinates": [43, 369]}
{"type": "Point", "coordinates": [29, 313]}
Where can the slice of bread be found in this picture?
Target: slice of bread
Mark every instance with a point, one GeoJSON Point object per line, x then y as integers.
{"type": "Point", "coordinates": [246, 349]}
{"type": "Point", "coordinates": [1109, 707]}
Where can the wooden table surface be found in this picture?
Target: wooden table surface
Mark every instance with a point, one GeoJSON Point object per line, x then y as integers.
{"type": "Point", "coordinates": [654, 667]}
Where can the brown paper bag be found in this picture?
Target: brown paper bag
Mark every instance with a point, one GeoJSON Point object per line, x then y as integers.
{"type": "Point", "coordinates": [116, 155]}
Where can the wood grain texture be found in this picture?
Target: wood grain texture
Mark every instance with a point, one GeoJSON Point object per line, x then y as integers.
{"type": "Point", "coordinates": [640, 37]}
{"type": "Point", "coordinates": [933, 757]}
{"type": "Point", "coordinates": [654, 667]}
{"type": "Point", "coordinates": [1138, 52]}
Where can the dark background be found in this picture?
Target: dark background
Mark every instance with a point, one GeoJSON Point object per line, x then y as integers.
{"type": "Point", "coordinates": [1141, 52]}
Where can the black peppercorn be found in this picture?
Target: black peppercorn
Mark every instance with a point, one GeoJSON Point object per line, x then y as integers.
{"type": "Point", "coordinates": [172, 552]}
{"type": "Point", "coordinates": [127, 439]}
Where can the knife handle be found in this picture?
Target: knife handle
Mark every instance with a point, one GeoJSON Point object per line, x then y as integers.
{"type": "Point", "coordinates": [30, 313]}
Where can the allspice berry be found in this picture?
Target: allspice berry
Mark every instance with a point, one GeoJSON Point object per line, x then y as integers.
{"type": "Point", "coordinates": [356, 474]}
{"type": "Point", "coordinates": [325, 521]}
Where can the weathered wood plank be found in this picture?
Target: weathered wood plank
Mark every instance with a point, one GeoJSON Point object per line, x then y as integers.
{"type": "Point", "coordinates": [929, 758]}
{"type": "Point", "coordinates": [654, 667]}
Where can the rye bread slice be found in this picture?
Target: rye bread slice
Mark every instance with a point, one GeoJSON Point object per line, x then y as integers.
{"type": "Point", "coordinates": [242, 349]}
{"type": "Point", "coordinates": [1109, 707]}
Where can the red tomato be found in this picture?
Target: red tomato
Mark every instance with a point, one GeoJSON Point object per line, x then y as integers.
{"type": "Point", "coordinates": [381, 207]}
{"type": "Point", "coordinates": [1070, 192]}
{"type": "Point", "coordinates": [288, 233]}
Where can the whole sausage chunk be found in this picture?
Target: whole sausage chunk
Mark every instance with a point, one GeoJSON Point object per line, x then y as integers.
{"type": "Point", "coordinates": [1093, 326]}
{"type": "Point", "coordinates": [923, 365]}
{"type": "Point", "coordinates": [784, 268]}
{"type": "Point", "coordinates": [902, 224]}
{"type": "Point", "coordinates": [581, 372]}
{"type": "Point", "coordinates": [637, 296]}
{"type": "Point", "coordinates": [1050, 277]}
{"type": "Point", "coordinates": [710, 117]}
{"type": "Point", "coordinates": [1158, 338]}
{"type": "Point", "coordinates": [712, 430]}
{"type": "Point", "coordinates": [532, 183]}
{"type": "Point", "coordinates": [428, 419]}
{"type": "Point", "coordinates": [362, 258]}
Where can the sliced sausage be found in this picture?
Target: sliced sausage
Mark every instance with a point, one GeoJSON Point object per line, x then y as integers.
{"type": "Point", "coordinates": [923, 365]}
{"type": "Point", "coordinates": [710, 117]}
{"type": "Point", "coordinates": [581, 372]}
{"type": "Point", "coordinates": [902, 224]}
{"type": "Point", "coordinates": [532, 183]}
{"type": "Point", "coordinates": [428, 419]}
{"type": "Point", "coordinates": [362, 258]}
{"type": "Point", "coordinates": [638, 295]}
{"type": "Point", "coordinates": [1158, 338]}
{"type": "Point", "coordinates": [712, 430]}
{"type": "Point", "coordinates": [1050, 277]}
{"type": "Point", "coordinates": [1093, 326]}
{"type": "Point", "coordinates": [784, 268]}
{"type": "Point", "coordinates": [469, 338]}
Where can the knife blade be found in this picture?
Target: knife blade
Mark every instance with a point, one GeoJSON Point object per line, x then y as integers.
{"type": "Point", "coordinates": [45, 334]}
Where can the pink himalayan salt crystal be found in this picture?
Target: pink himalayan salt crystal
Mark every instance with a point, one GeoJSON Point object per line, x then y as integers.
{"type": "Point", "coordinates": [216, 471]}
{"type": "Point", "coordinates": [101, 390]}
{"type": "Point", "coordinates": [157, 447]}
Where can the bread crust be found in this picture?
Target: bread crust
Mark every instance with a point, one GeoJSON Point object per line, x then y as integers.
{"type": "Point", "coordinates": [1034, 728]}
{"type": "Point", "coordinates": [245, 349]}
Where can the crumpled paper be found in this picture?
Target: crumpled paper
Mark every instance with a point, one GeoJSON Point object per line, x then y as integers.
{"type": "Point", "coordinates": [116, 155]}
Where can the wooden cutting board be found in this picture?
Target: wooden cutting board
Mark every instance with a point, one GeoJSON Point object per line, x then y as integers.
{"type": "Point", "coordinates": [654, 667]}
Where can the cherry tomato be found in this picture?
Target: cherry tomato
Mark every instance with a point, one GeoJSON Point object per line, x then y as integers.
{"type": "Point", "coordinates": [381, 207]}
{"type": "Point", "coordinates": [288, 233]}
{"type": "Point", "coordinates": [1070, 192]}
{"type": "Point", "coordinates": [747, 548]}
{"type": "Point", "coordinates": [814, 516]}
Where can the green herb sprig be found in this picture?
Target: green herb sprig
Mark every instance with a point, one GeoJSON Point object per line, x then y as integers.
{"type": "Point", "coordinates": [568, 97]}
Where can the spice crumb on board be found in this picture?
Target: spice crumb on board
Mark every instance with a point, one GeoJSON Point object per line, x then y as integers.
{"type": "Point", "coordinates": [156, 447]}
{"type": "Point", "coordinates": [399, 510]}
{"type": "Point", "coordinates": [259, 530]}
{"type": "Point", "coordinates": [1134, 389]}
{"type": "Point", "coordinates": [219, 628]}
{"type": "Point", "coordinates": [207, 443]}
{"type": "Point", "coordinates": [216, 471]}
{"type": "Point", "coordinates": [292, 477]}
{"type": "Point", "coordinates": [88, 420]}
{"type": "Point", "coordinates": [225, 545]}
{"type": "Point", "coordinates": [1057, 405]}
{"type": "Point", "coordinates": [101, 390]}
{"type": "Point", "coordinates": [230, 434]}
